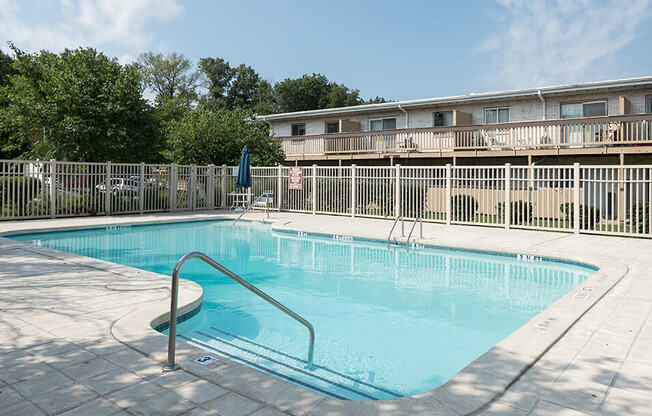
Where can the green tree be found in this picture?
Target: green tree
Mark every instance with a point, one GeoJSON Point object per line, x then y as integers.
{"type": "Point", "coordinates": [169, 77]}
{"type": "Point", "coordinates": [6, 68]}
{"type": "Point", "coordinates": [234, 87]}
{"type": "Point", "coordinates": [313, 92]}
{"type": "Point", "coordinates": [78, 105]}
{"type": "Point", "coordinates": [217, 137]}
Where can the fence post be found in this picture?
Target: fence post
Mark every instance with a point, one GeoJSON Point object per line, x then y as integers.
{"type": "Point", "coordinates": [279, 187]}
{"type": "Point", "coordinates": [107, 190]}
{"type": "Point", "coordinates": [508, 191]}
{"type": "Point", "coordinates": [314, 189]}
{"type": "Point", "coordinates": [353, 196]}
{"type": "Point", "coordinates": [397, 191]}
{"type": "Point", "coordinates": [448, 193]}
{"type": "Point", "coordinates": [210, 187]}
{"type": "Point", "coordinates": [223, 187]}
{"type": "Point", "coordinates": [141, 188]}
{"type": "Point", "coordinates": [192, 191]}
{"type": "Point", "coordinates": [576, 198]}
{"type": "Point", "coordinates": [53, 188]}
{"type": "Point", "coordinates": [172, 193]}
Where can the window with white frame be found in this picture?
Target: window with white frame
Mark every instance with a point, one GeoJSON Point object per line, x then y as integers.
{"type": "Point", "coordinates": [584, 109]}
{"type": "Point", "coordinates": [382, 124]}
{"type": "Point", "coordinates": [299, 129]}
{"type": "Point", "coordinates": [496, 115]}
{"type": "Point", "coordinates": [442, 118]}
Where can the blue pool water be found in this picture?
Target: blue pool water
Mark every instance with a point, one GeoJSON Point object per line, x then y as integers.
{"type": "Point", "coordinates": [389, 322]}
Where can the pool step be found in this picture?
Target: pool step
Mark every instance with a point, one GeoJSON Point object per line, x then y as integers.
{"type": "Point", "coordinates": [287, 366]}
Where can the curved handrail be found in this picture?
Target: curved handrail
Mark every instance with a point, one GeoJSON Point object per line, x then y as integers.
{"type": "Point", "coordinates": [392, 230]}
{"type": "Point", "coordinates": [172, 335]}
{"type": "Point", "coordinates": [412, 229]}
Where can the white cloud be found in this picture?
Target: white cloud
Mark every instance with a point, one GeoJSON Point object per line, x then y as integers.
{"type": "Point", "coordinates": [119, 26]}
{"type": "Point", "coordinates": [560, 41]}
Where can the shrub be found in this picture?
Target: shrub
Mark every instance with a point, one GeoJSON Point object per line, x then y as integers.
{"type": "Point", "coordinates": [463, 207]}
{"type": "Point", "coordinates": [639, 218]}
{"type": "Point", "coordinates": [18, 191]}
{"type": "Point", "coordinates": [589, 216]}
{"type": "Point", "coordinates": [520, 212]}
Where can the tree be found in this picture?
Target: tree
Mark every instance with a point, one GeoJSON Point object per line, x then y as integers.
{"type": "Point", "coordinates": [203, 137]}
{"type": "Point", "coordinates": [234, 87]}
{"type": "Point", "coordinates": [79, 105]}
{"type": "Point", "coordinates": [6, 68]}
{"type": "Point", "coordinates": [313, 92]}
{"type": "Point", "coordinates": [169, 77]}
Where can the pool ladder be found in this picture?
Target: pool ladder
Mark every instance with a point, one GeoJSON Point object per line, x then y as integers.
{"type": "Point", "coordinates": [265, 194]}
{"type": "Point", "coordinates": [417, 219]}
{"type": "Point", "coordinates": [172, 335]}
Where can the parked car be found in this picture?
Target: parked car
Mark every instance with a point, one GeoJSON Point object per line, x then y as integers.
{"type": "Point", "coordinates": [119, 186]}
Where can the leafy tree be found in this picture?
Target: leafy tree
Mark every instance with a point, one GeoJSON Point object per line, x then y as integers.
{"type": "Point", "coordinates": [6, 68]}
{"type": "Point", "coordinates": [313, 92]}
{"type": "Point", "coordinates": [78, 105]}
{"type": "Point", "coordinates": [170, 76]}
{"type": "Point", "coordinates": [234, 87]}
{"type": "Point", "coordinates": [204, 137]}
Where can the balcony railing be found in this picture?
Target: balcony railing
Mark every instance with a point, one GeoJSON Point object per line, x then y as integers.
{"type": "Point", "coordinates": [629, 130]}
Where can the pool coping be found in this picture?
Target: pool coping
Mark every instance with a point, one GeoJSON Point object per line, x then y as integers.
{"type": "Point", "coordinates": [469, 391]}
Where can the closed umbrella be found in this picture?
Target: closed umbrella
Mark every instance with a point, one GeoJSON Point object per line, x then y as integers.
{"type": "Point", "coordinates": [244, 170]}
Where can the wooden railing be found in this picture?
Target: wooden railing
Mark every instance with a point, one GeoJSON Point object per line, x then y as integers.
{"type": "Point", "coordinates": [629, 130]}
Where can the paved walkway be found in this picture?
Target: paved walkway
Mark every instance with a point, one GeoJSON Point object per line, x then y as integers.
{"type": "Point", "coordinates": [58, 355]}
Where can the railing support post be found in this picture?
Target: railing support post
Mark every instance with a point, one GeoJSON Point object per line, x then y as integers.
{"type": "Point", "coordinates": [141, 188]}
{"type": "Point", "coordinates": [172, 193]}
{"type": "Point", "coordinates": [223, 187]}
{"type": "Point", "coordinates": [508, 191]}
{"type": "Point", "coordinates": [314, 189]}
{"type": "Point", "coordinates": [192, 191]}
{"type": "Point", "coordinates": [397, 190]}
{"type": "Point", "coordinates": [107, 190]}
{"type": "Point", "coordinates": [210, 188]}
{"type": "Point", "coordinates": [576, 198]}
{"type": "Point", "coordinates": [279, 187]}
{"type": "Point", "coordinates": [353, 195]}
{"type": "Point", "coordinates": [448, 193]}
{"type": "Point", "coordinates": [53, 188]}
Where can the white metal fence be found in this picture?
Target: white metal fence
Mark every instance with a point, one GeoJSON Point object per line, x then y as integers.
{"type": "Point", "coordinates": [588, 199]}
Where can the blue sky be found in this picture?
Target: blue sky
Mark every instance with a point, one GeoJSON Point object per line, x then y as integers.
{"type": "Point", "coordinates": [398, 50]}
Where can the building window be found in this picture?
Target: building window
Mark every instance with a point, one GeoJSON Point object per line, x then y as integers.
{"type": "Point", "coordinates": [443, 118]}
{"type": "Point", "coordinates": [587, 109]}
{"type": "Point", "coordinates": [382, 124]}
{"type": "Point", "coordinates": [496, 115]}
{"type": "Point", "coordinates": [648, 104]}
{"type": "Point", "coordinates": [299, 129]}
{"type": "Point", "coordinates": [332, 127]}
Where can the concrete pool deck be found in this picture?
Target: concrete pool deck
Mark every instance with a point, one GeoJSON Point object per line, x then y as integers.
{"type": "Point", "coordinates": [69, 345]}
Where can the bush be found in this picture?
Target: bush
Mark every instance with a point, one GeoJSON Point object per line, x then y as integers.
{"type": "Point", "coordinates": [640, 212]}
{"type": "Point", "coordinates": [520, 212]}
{"type": "Point", "coordinates": [589, 216]}
{"type": "Point", "coordinates": [17, 192]}
{"type": "Point", "coordinates": [463, 207]}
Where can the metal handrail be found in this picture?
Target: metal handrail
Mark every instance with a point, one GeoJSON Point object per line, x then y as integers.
{"type": "Point", "coordinates": [392, 230]}
{"type": "Point", "coordinates": [412, 229]}
{"type": "Point", "coordinates": [172, 335]}
{"type": "Point", "coordinates": [264, 194]}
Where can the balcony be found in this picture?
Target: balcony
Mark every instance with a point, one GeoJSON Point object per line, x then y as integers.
{"type": "Point", "coordinates": [570, 136]}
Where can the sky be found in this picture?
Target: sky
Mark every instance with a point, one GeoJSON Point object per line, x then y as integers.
{"type": "Point", "coordinates": [399, 50]}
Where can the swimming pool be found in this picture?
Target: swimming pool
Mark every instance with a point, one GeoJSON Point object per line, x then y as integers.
{"type": "Point", "coordinates": [389, 322]}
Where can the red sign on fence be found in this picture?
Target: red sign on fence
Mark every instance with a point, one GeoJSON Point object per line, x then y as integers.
{"type": "Point", "coordinates": [296, 179]}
